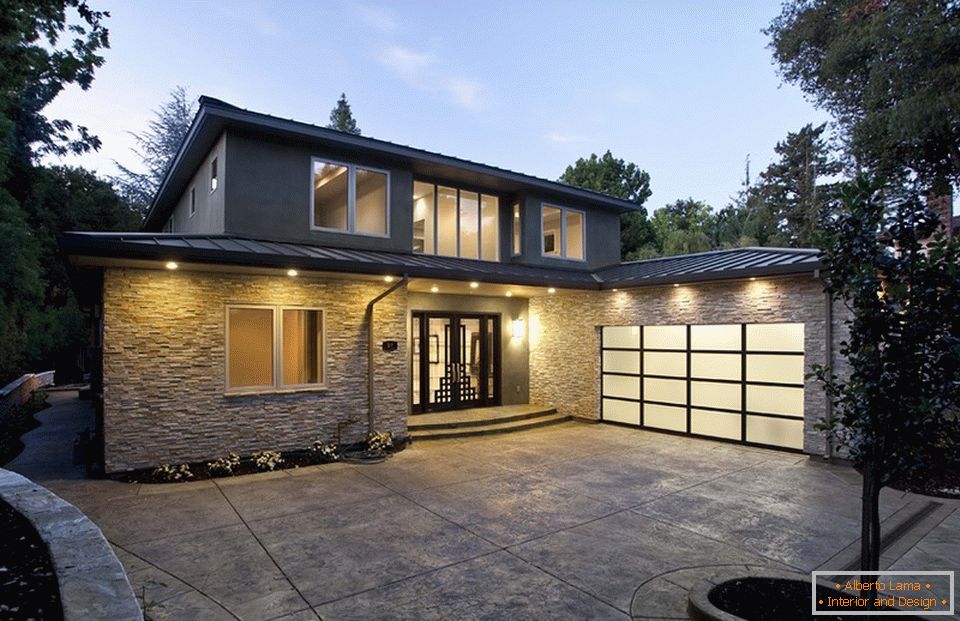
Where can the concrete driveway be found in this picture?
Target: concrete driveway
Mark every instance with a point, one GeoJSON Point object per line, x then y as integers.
{"type": "Point", "coordinates": [577, 521]}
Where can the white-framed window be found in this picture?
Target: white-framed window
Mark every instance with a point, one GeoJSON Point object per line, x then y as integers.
{"type": "Point", "coordinates": [349, 198]}
{"type": "Point", "coordinates": [275, 348]}
{"type": "Point", "coordinates": [516, 230]}
{"type": "Point", "coordinates": [214, 175]}
{"type": "Point", "coordinates": [168, 227]}
{"type": "Point", "coordinates": [562, 233]}
{"type": "Point", "coordinates": [454, 222]}
{"type": "Point", "coordinates": [193, 201]}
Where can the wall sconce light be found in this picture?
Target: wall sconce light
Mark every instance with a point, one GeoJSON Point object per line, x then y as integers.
{"type": "Point", "coordinates": [518, 329]}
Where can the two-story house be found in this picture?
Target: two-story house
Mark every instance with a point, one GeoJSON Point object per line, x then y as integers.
{"type": "Point", "coordinates": [294, 283]}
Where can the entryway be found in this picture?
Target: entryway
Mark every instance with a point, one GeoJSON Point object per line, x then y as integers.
{"type": "Point", "coordinates": [455, 361]}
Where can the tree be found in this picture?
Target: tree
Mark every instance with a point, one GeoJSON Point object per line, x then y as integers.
{"type": "Point", "coordinates": [684, 227]}
{"type": "Point", "coordinates": [618, 178]}
{"type": "Point", "coordinates": [790, 186]}
{"type": "Point", "coordinates": [889, 72]}
{"type": "Point", "coordinates": [341, 118]}
{"type": "Point", "coordinates": [902, 392]}
{"type": "Point", "coordinates": [156, 148]}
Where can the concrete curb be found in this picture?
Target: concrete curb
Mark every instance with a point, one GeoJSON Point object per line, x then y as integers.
{"type": "Point", "coordinates": [93, 584]}
{"type": "Point", "coordinates": [699, 607]}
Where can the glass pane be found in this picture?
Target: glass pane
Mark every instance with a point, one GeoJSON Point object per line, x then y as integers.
{"type": "Point", "coordinates": [469, 225]}
{"type": "Point", "coordinates": [302, 347]}
{"type": "Point", "coordinates": [470, 368]}
{"type": "Point", "coordinates": [491, 368]}
{"type": "Point", "coordinates": [622, 386]}
{"type": "Point", "coordinates": [574, 235]}
{"type": "Point", "coordinates": [423, 195]}
{"type": "Point", "coordinates": [775, 337]}
{"type": "Point", "coordinates": [447, 221]}
{"type": "Point", "coordinates": [516, 229]}
{"type": "Point", "coordinates": [775, 431]}
{"type": "Point", "coordinates": [438, 348]}
{"type": "Point", "coordinates": [551, 231]}
{"type": "Point", "coordinates": [330, 195]}
{"type": "Point", "coordinates": [717, 424]}
{"type": "Point", "coordinates": [490, 228]}
{"type": "Point", "coordinates": [664, 417]}
{"type": "Point", "coordinates": [621, 411]}
{"type": "Point", "coordinates": [415, 329]}
{"type": "Point", "coordinates": [371, 202]}
{"type": "Point", "coordinates": [250, 347]}
{"type": "Point", "coordinates": [715, 337]}
{"type": "Point", "coordinates": [621, 336]}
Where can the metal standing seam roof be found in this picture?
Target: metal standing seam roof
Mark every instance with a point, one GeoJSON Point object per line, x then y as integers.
{"type": "Point", "coordinates": [232, 250]}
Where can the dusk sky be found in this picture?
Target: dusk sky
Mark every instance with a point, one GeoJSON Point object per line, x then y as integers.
{"type": "Point", "coordinates": [683, 89]}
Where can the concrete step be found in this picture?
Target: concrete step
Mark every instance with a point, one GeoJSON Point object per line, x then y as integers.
{"type": "Point", "coordinates": [488, 428]}
{"type": "Point", "coordinates": [477, 417]}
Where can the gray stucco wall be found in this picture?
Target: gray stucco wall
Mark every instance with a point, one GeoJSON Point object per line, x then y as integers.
{"type": "Point", "coordinates": [515, 359]}
{"type": "Point", "coordinates": [209, 215]}
{"type": "Point", "coordinates": [269, 195]}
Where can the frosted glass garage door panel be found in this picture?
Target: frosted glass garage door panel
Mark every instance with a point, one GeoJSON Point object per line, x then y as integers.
{"type": "Point", "coordinates": [716, 424]}
{"type": "Point", "coordinates": [775, 431]}
{"type": "Point", "coordinates": [775, 400]}
{"type": "Point", "coordinates": [621, 361]}
{"type": "Point", "coordinates": [670, 391]}
{"type": "Point", "coordinates": [665, 337]}
{"type": "Point", "coordinates": [621, 386]}
{"type": "Point", "coordinates": [665, 363]}
{"type": "Point", "coordinates": [622, 336]}
{"type": "Point", "coordinates": [775, 337]}
{"type": "Point", "coordinates": [621, 411]}
{"type": "Point", "coordinates": [715, 366]}
{"type": "Point", "coordinates": [715, 337]}
{"type": "Point", "coordinates": [786, 369]}
{"type": "Point", "coordinates": [664, 417]}
{"type": "Point", "coordinates": [715, 395]}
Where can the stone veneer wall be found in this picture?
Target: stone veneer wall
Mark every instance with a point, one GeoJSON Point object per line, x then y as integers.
{"type": "Point", "coordinates": [565, 337]}
{"type": "Point", "coordinates": [164, 358]}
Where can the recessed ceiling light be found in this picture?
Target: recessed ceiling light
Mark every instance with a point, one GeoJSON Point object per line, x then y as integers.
{"type": "Point", "coordinates": [676, 284]}
{"type": "Point", "coordinates": [753, 278]}
{"type": "Point", "coordinates": [292, 272]}
{"type": "Point", "coordinates": [509, 294]}
{"type": "Point", "coordinates": [615, 290]}
{"type": "Point", "coordinates": [551, 290]}
{"type": "Point", "coordinates": [434, 289]}
{"type": "Point", "coordinates": [388, 278]}
{"type": "Point", "coordinates": [474, 285]}
{"type": "Point", "coordinates": [172, 265]}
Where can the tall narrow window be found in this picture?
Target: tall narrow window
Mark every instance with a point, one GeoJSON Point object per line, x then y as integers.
{"type": "Point", "coordinates": [350, 198]}
{"type": "Point", "coordinates": [214, 181]}
{"type": "Point", "coordinates": [193, 201]}
{"type": "Point", "coordinates": [249, 347]}
{"type": "Point", "coordinates": [516, 229]}
{"type": "Point", "coordinates": [562, 231]}
{"type": "Point", "coordinates": [469, 222]}
{"type": "Point", "coordinates": [302, 346]}
{"type": "Point", "coordinates": [423, 217]}
{"type": "Point", "coordinates": [489, 228]}
{"type": "Point", "coordinates": [447, 221]}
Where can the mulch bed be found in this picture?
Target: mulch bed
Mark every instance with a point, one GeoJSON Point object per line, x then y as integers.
{"type": "Point", "coordinates": [18, 422]}
{"type": "Point", "coordinates": [940, 480]}
{"type": "Point", "coordinates": [28, 584]}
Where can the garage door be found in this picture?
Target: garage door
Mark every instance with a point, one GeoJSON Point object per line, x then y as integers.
{"type": "Point", "coordinates": [741, 382]}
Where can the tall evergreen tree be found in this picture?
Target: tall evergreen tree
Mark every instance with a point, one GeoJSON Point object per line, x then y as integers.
{"type": "Point", "coordinates": [341, 117]}
{"type": "Point", "coordinates": [156, 148]}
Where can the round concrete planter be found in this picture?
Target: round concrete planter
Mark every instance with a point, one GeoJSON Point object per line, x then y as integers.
{"type": "Point", "coordinates": [700, 608]}
{"type": "Point", "coordinates": [93, 584]}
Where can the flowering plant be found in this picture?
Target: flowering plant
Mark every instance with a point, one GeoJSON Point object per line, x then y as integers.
{"type": "Point", "coordinates": [170, 473]}
{"type": "Point", "coordinates": [267, 460]}
{"type": "Point", "coordinates": [224, 466]}
{"type": "Point", "coordinates": [379, 442]}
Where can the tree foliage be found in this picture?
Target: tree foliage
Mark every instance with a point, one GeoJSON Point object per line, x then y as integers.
{"type": "Point", "coordinates": [685, 226]}
{"type": "Point", "coordinates": [341, 117]}
{"type": "Point", "coordinates": [625, 180]}
{"type": "Point", "coordinates": [888, 71]}
{"type": "Point", "coordinates": [899, 402]}
{"type": "Point", "coordinates": [156, 148]}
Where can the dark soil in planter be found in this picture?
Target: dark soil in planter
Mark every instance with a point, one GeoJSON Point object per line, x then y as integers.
{"type": "Point", "coordinates": [17, 422]}
{"type": "Point", "coordinates": [776, 599]}
{"type": "Point", "coordinates": [28, 584]}
{"type": "Point", "coordinates": [938, 479]}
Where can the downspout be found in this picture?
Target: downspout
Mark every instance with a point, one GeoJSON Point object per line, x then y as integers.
{"type": "Point", "coordinates": [370, 345]}
{"type": "Point", "coordinates": [828, 360]}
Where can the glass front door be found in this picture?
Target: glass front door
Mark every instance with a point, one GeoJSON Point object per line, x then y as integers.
{"type": "Point", "coordinates": [456, 361]}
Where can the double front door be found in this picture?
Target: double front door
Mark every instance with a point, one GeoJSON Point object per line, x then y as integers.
{"type": "Point", "coordinates": [456, 361]}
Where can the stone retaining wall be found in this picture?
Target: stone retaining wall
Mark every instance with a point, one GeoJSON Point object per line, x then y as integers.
{"type": "Point", "coordinates": [17, 392]}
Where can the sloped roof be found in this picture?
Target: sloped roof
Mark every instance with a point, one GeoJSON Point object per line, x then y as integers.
{"type": "Point", "coordinates": [232, 250]}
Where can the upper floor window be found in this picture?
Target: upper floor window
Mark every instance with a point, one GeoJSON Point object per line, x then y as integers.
{"type": "Point", "coordinates": [350, 198]}
{"type": "Point", "coordinates": [455, 223]}
{"type": "Point", "coordinates": [515, 225]}
{"type": "Point", "coordinates": [193, 201]}
{"type": "Point", "coordinates": [561, 232]}
{"type": "Point", "coordinates": [214, 181]}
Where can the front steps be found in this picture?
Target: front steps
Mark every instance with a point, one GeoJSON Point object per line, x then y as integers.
{"type": "Point", "coordinates": [481, 421]}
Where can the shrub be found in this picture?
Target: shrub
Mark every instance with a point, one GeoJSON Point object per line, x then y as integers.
{"type": "Point", "coordinates": [322, 452]}
{"type": "Point", "coordinates": [224, 466]}
{"type": "Point", "coordinates": [267, 460]}
{"type": "Point", "coordinates": [379, 441]}
{"type": "Point", "coordinates": [169, 473]}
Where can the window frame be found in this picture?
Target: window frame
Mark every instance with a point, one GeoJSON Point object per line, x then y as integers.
{"type": "Point", "coordinates": [278, 387]}
{"type": "Point", "coordinates": [437, 184]}
{"type": "Point", "coordinates": [193, 202]}
{"type": "Point", "coordinates": [351, 198]}
{"type": "Point", "coordinates": [563, 233]}
{"type": "Point", "coordinates": [516, 230]}
{"type": "Point", "coordinates": [214, 171]}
